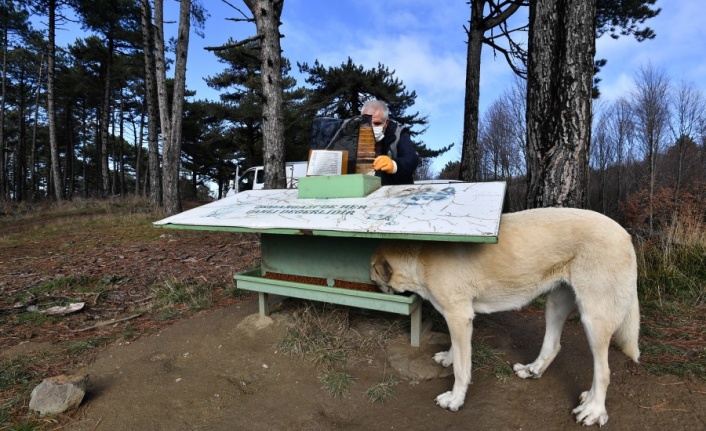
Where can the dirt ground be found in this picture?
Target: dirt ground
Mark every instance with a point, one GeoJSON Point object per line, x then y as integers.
{"type": "Point", "coordinates": [221, 369]}
{"type": "Point", "coordinates": [214, 372]}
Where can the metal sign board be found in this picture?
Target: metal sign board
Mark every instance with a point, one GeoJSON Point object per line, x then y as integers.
{"type": "Point", "coordinates": [446, 212]}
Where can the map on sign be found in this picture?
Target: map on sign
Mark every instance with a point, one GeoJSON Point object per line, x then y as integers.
{"type": "Point", "coordinates": [447, 210]}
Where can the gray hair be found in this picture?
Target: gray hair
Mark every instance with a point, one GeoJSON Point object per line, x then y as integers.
{"type": "Point", "coordinates": [374, 105]}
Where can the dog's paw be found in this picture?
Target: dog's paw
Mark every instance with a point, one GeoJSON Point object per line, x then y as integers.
{"type": "Point", "coordinates": [526, 371]}
{"type": "Point", "coordinates": [589, 413]}
{"type": "Point", "coordinates": [449, 401]}
{"type": "Point", "coordinates": [582, 397]}
{"type": "Point", "coordinates": [443, 358]}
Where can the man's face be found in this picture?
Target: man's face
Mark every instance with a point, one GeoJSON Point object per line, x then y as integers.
{"type": "Point", "coordinates": [377, 120]}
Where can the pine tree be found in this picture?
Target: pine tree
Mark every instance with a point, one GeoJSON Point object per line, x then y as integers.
{"type": "Point", "coordinates": [340, 92]}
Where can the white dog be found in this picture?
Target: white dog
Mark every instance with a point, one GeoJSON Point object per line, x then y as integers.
{"type": "Point", "coordinates": [580, 258]}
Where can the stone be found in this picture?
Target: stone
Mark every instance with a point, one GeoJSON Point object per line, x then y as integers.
{"type": "Point", "coordinates": [58, 394]}
{"type": "Point", "coordinates": [254, 323]}
{"type": "Point", "coordinates": [417, 363]}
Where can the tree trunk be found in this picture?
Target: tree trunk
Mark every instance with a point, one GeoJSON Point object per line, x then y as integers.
{"type": "Point", "coordinates": [104, 119]}
{"type": "Point", "coordinates": [469, 169]}
{"type": "Point", "coordinates": [20, 166]}
{"type": "Point", "coordinates": [113, 153]}
{"type": "Point", "coordinates": [267, 14]}
{"type": "Point", "coordinates": [33, 146]}
{"type": "Point", "coordinates": [121, 148]}
{"type": "Point", "coordinates": [70, 155]}
{"type": "Point", "coordinates": [51, 108]}
{"type": "Point", "coordinates": [148, 42]}
{"type": "Point", "coordinates": [4, 196]}
{"type": "Point", "coordinates": [470, 154]}
{"type": "Point", "coordinates": [137, 143]}
{"type": "Point", "coordinates": [559, 91]}
{"type": "Point", "coordinates": [172, 121]}
{"type": "Point", "coordinates": [84, 151]}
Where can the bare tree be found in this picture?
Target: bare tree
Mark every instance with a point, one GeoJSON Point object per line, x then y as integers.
{"type": "Point", "coordinates": [620, 134]}
{"type": "Point", "coordinates": [688, 113]}
{"type": "Point", "coordinates": [424, 170]}
{"type": "Point", "coordinates": [602, 151]}
{"type": "Point", "coordinates": [496, 138]}
{"type": "Point", "coordinates": [515, 98]}
{"type": "Point", "coordinates": [501, 140]}
{"type": "Point", "coordinates": [498, 13]}
{"type": "Point", "coordinates": [171, 119]}
{"type": "Point", "coordinates": [559, 95]}
{"type": "Point", "coordinates": [651, 117]}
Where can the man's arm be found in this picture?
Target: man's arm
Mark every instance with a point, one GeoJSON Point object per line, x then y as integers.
{"type": "Point", "coordinates": [407, 159]}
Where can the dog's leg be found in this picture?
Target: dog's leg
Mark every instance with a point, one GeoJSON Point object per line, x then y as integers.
{"type": "Point", "coordinates": [461, 330]}
{"type": "Point", "coordinates": [445, 358]}
{"type": "Point", "coordinates": [591, 409]}
{"type": "Point", "coordinates": [560, 303]}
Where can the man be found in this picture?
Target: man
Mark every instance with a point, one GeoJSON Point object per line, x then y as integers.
{"type": "Point", "coordinates": [398, 158]}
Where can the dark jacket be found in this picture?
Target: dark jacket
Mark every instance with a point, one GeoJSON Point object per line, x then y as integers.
{"type": "Point", "coordinates": [406, 158]}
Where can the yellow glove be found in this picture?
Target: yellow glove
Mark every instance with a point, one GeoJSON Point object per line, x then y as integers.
{"type": "Point", "coordinates": [384, 163]}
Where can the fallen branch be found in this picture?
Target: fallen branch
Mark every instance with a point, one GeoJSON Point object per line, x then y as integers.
{"type": "Point", "coordinates": [98, 295]}
{"type": "Point", "coordinates": [24, 258]}
{"type": "Point", "coordinates": [108, 322]}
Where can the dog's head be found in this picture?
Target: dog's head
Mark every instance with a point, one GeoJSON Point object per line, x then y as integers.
{"type": "Point", "coordinates": [392, 266]}
{"type": "Point", "coordinates": [381, 273]}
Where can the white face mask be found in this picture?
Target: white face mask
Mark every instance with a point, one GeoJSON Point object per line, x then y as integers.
{"type": "Point", "coordinates": [378, 133]}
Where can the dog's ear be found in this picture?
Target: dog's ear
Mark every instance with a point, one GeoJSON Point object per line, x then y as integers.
{"type": "Point", "coordinates": [384, 270]}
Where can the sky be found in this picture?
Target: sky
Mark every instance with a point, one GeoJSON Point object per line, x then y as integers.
{"type": "Point", "coordinates": [424, 43]}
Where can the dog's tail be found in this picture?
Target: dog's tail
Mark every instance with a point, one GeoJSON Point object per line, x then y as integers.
{"type": "Point", "coordinates": [629, 330]}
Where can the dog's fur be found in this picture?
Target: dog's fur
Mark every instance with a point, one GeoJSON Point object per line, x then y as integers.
{"type": "Point", "coordinates": [580, 258]}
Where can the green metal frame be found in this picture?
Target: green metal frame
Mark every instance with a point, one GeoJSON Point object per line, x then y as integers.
{"type": "Point", "coordinates": [400, 304]}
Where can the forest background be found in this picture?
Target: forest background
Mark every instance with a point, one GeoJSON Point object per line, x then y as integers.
{"type": "Point", "coordinates": [102, 130]}
{"type": "Point", "coordinates": [75, 123]}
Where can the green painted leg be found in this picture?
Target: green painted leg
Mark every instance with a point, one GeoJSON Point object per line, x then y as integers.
{"type": "Point", "coordinates": [416, 326]}
{"type": "Point", "coordinates": [264, 304]}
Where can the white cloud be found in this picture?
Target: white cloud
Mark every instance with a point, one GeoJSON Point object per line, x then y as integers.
{"type": "Point", "coordinates": [435, 75]}
{"type": "Point", "coordinates": [619, 86]}
{"type": "Point", "coordinates": [677, 47]}
{"type": "Point", "coordinates": [425, 44]}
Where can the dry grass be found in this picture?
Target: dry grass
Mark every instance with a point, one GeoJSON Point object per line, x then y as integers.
{"type": "Point", "coordinates": [132, 277]}
{"type": "Point", "coordinates": [324, 334]}
{"type": "Point", "coordinates": [380, 392]}
{"type": "Point", "coordinates": [672, 288]}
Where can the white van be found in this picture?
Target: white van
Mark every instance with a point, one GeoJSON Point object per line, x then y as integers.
{"type": "Point", "coordinates": [254, 178]}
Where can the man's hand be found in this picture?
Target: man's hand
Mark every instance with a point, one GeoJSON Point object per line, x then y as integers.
{"type": "Point", "coordinates": [384, 163]}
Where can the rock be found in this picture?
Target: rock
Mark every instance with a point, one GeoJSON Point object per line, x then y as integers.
{"type": "Point", "coordinates": [417, 363]}
{"type": "Point", "coordinates": [65, 309]}
{"type": "Point", "coordinates": [254, 323]}
{"type": "Point", "coordinates": [58, 394]}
